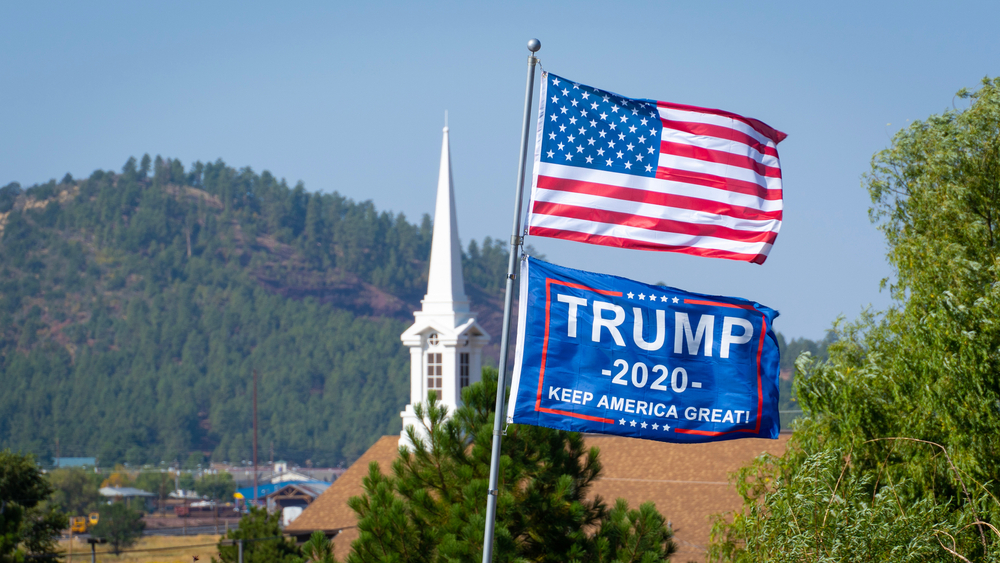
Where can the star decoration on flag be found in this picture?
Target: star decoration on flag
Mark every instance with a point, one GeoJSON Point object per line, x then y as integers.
{"type": "Point", "coordinates": [622, 422]}
{"type": "Point", "coordinates": [644, 424]}
{"type": "Point", "coordinates": [633, 424]}
{"type": "Point", "coordinates": [631, 127]}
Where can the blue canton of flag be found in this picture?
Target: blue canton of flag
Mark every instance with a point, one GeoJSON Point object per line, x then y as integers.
{"type": "Point", "coordinates": [594, 128]}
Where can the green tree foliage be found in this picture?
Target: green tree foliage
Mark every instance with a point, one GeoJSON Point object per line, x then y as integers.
{"type": "Point", "coordinates": [896, 456]}
{"type": "Point", "coordinates": [185, 481]}
{"type": "Point", "coordinates": [160, 483]}
{"type": "Point", "coordinates": [134, 307]}
{"type": "Point", "coordinates": [218, 486]}
{"type": "Point", "coordinates": [75, 490]}
{"type": "Point", "coordinates": [431, 507]}
{"type": "Point", "coordinates": [789, 350]}
{"type": "Point", "coordinates": [262, 541]}
{"type": "Point", "coordinates": [318, 549]}
{"type": "Point", "coordinates": [120, 525]}
{"type": "Point", "coordinates": [28, 524]}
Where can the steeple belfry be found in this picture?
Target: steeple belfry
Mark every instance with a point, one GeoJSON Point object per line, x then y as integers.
{"type": "Point", "coordinates": [445, 341]}
{"type": "Point", "coordinates": [445, 286]}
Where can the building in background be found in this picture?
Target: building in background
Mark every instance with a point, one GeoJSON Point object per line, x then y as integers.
{"type": "Point", "coordinates": [445, 341]}
{"type": "Point", "coordinates": [58, 462]}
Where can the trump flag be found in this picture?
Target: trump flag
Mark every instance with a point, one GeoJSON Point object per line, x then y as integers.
{"type": "Point", "coordinates": [653, 175]}
{"type": "Point", "coordinates": [605, 354]}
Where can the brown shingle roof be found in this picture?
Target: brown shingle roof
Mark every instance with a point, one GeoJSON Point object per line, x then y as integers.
{"type": "Point", "coordinates": [329, 512]}
{"type": "Point", "coordinates": [687, 482]}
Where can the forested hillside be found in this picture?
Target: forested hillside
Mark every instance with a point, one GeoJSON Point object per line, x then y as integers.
{"type": "Point", "coordinates": [135, 305]}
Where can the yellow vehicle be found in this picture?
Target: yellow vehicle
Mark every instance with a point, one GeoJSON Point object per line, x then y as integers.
{"type": "Point", "coordinates": [78, 525]}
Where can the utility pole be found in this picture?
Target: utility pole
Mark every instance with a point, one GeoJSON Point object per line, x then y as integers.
{"type": "Point", "coordinates": [255, 436]}
{"type": "Point", "coordinates": [58, 457]}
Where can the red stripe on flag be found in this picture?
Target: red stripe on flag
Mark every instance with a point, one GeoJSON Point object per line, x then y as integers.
{"type": "Point", "coordinates": [545, 349]}
{"type": "Point", "coordinates": [760, 386]}
{"type": "Point", "coordinates": [711, 433]}
{"type": "Point", "coordinates": [758, 126]}
{"type": "Point", "coordinates": [720, 132]}
{"type": "Point", "coordinates": [576, 415]}
{"type": "Point", "coordinates": [619, 242]}
{"type": "Point", "coordinates": [718, 182]}
{"type": "Point", "coordinates": [718, 304]}
{"type": "Point", "coordinates": [652, 223]}
{"type": "Point", "coordinates": [719, 157]}
{"type": "Point", "coordinates": [656, 198]}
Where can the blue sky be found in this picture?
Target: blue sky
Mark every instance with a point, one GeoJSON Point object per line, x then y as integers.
{"type": "Point", "coordinates": [350, 97]}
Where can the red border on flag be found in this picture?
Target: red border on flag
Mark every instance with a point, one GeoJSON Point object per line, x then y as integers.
{"type": "Point", "coordinates": [545, 350]}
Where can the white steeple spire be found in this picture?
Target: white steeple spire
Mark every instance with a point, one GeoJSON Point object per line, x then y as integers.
{"type": "Point", "coordinates": [445, 341]}
{"type": "Point", "coordinates": [445, 287]}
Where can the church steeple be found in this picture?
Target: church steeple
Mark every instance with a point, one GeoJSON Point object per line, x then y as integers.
{"type": "Point", "coordinates": [445, 341]}
{"type": "Point", "coordinates": [445, 287]}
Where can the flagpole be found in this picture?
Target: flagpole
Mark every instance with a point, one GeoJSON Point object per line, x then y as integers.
{"type": "Point", "coordinates": [515, 244]}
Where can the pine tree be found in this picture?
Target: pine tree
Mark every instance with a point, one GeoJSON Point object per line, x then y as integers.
{"type": "Point", "coordinates": [262, 541]}
{"type": "Point", "coordinates": [120, 525]}
{"type": "Point", "coordinates": [318, 549]}
{"type": "Point", "coordinates": [431, 507]}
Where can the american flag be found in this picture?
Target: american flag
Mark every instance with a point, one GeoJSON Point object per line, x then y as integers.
{"type": "Point", "coordinates": [650, 175]}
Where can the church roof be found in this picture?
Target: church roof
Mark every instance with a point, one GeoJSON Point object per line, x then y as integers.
{"type": "Point", "coordinates": [687, 482]}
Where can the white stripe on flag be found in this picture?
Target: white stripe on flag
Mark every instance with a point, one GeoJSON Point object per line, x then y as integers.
{"type": "Point", "coordinates": [647, 235]}
{"type": "Point", "coordinates": [713, 119]}
{"type": "Point", "coordinates": [716, 144]}
{"type": "Point", "coordinates": [653, 211]}
{"type": "Point", "coordinates": [716, 169]}
{"type": "Point", "coordinates": [656, 185]}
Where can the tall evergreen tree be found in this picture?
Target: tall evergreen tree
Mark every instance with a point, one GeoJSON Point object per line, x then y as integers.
{"type": "Point", "coordinates": [431, 507]}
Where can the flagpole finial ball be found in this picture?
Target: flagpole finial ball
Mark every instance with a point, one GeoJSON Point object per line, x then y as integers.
{"type": "Point", "coordinates": [534, 45]}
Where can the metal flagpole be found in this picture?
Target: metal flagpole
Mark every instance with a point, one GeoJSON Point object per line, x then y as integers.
{"type": "Point", "coordinates": [515, 244]}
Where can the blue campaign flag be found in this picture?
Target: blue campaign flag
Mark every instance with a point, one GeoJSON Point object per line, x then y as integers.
{"type": "Point", "coordinates": [606, 354]}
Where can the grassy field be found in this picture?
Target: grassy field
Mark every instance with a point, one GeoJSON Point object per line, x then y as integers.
{"type": "Point", "coordinates": [161, 549]}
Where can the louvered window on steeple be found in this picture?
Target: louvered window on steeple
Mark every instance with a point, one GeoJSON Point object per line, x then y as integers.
{"type": "Point", "coordinates": [434, 373]}
{"type": "Point", "coordinates": [463, 370]}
